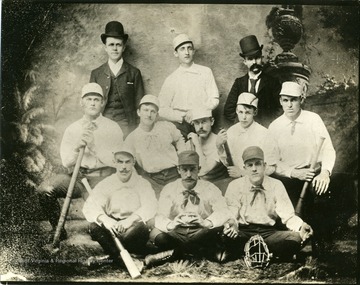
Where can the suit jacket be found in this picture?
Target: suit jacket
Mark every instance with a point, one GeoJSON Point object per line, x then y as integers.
{"type": "Point", "coordinates": [269, 107]}
{"type": "Point", "coordinates": [129, 83]}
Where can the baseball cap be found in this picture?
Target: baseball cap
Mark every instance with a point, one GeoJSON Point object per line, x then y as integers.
{"type": "Point", "coordinates": [150, 99]}
{"type": "Point", "coordinates": [247, 98]}
{"type": "Point", "coordinates": [90, 88]}
{"type": "Point", "coordinates": [290, 88]}
{"type": "Point", "coordinates": [188, 157]}
{"type": "Point", "coordinates": [123, 149]}
{"type": "Point", "coordinates": [253, 152]}
{"type": "Point", "coordinates": [199, 113]}
{"type": "Point", "coordinates": [181, 39]}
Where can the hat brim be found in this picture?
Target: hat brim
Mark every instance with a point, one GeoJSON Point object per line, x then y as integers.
{"type": "Point", "coordinates": [124, 37]}
{"type": "Point", "coordinates": [180, 44]}
{"type": "Point", "coordinates": [252, 52]}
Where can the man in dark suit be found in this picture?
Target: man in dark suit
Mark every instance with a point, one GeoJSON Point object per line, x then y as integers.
{"type": "Point", "coordinates": [263, 86]}
{"type": "Point", "coordinates": [121, 82]}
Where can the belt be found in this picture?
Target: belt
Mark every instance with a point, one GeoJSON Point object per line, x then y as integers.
{"type": "Point", "coordinates": [99, 172]}
{"type": "Point", "coordinates": [162, 172]}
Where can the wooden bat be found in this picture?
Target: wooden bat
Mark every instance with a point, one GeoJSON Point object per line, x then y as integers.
{"type": "Point", "coordinates": [228, 153]}
{"type": "Point", "coordinates": [300, 202]}
{"type": "Point", "coordinates": [66, 205]}
{"type": "Point", "coordinates": [126, 257]}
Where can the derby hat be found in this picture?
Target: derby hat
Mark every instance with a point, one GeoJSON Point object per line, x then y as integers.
{"type": "Point", "coordinates": [114, 29]}
{"type": "Point", "coordinates": [250, 46]}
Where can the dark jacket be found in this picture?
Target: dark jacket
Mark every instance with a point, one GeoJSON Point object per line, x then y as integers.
{"type": "Point", "coordinates": [269, 107]}
{"type": "Point", "coordinates": [129, 83]}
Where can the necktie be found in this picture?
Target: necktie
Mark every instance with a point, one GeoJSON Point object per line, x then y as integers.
{"type": "Point", "coordinates": [257, 190]}
{"type": "Point", "coordinates": [252, 85]}
{"type": "Point", "coordinates": [293, 123]}
{"type": "Point", "coordinates": [192, 196]}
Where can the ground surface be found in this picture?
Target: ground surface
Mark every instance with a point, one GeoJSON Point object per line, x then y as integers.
{"type": "Point", "coordinates": [27, 258]}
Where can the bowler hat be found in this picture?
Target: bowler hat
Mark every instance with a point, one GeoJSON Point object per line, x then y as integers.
{"type": "Point", "coordinates": [247, 98]}
{"type": "Point", "coordinates": [114, 29]}
{"type": "Point", "coordinates": [253, 152]}
{"type": "Point", "coordinates": [92, 88]}
{"type": "Point", "coordinates": [250, 46]}
{"type": "Point", "coordinates": [188, 157]}
{"type": "Point", "coordinates": [150, 99]}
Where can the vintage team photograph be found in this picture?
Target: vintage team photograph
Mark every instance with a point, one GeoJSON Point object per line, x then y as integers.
{"type": "Point", "coordinates": [179, 142]}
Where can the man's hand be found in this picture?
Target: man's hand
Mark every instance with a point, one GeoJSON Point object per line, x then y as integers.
{"type": "Point", "coordinates": [123, 225]}
{"type": "Point", "coordinates": [306, 231]}
{"type": "Point", "coordinates": [321, 182]}
{"type": "Point", "coordinates": [305, 174]}
{"type": "Point", "coordinates": [235, 171]}
{"type": "Point", "coordinates": [109, 223]}
{"type": "Point", "coordinates": [188, 116]}
{"type": "Point", "coordinates": [86, 137]}
{"type": "Point", "coordinates": [195, 139]}
{"type": "Point", "coordinates": [221, 138]}
{"type": "Point", "coordinates": [176, 222]}
{"type": "Point", "coordinates": [231, 229]}
{"type": "Point", "coordinates": [198, 220]}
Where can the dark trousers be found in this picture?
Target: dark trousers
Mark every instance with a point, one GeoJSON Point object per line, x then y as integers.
{"type": "Point", "coordinates": [134, 239]}
{"type": "Point", "coordinates": [56, 187]}
{"type": "Point", "coordinates": [322, 211]}
{"type": "Point", "coordinates": [159, 179]}
{"type": "Point", "coordinates": [185, 239]}
{"type": "Point", "coordinates": [282, 243]}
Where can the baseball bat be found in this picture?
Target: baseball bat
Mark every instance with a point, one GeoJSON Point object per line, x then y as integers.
{"type": "Point", "coordinates": [126, 257]}
{"type": "Point", "coordinates": [66, 205]}
{"type": "Point", "coordinates": [300, 202]}
{"type": "Point", "coordinates": [228, 153]}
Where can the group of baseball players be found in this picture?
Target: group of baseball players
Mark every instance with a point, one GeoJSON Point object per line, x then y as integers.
{"type": "Point", "coordinates": [166, 185]}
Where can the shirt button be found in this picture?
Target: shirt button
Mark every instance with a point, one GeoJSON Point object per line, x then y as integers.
{"type": "Point", "coordinates": [107, 87]}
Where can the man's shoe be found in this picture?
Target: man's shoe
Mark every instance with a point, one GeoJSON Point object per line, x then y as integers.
{"type": "Point", "coordinates": [94, 262]}
{"type": "Point", "coordinates": [63, 235]}
{"type": "Point", "coordinates": [159, 258]}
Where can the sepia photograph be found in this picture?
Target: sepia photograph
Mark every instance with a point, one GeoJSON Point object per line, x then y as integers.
{"type": "Point", "coordinates": [167, 142]}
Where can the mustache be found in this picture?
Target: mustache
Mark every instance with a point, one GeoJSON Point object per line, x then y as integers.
{"type": "Point", "coordinates": [256, 67]}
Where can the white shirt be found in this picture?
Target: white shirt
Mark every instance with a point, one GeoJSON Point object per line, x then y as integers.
{"type": "Point", "coordinates": [107, 137]}
{"type": "Point", "coordinates": [155, 150]}
{"type": "Point", "coordinates": [115, 67]}
{"type": "Point", "coordinates": [185, 89]}
{"type": "Point", "coordinates": [240, 138]}
{"type": "Point", "coordinates": [295, 151]}
{"type": "Point", "coordinates": [273, 202]}
{"type": "Point", "coordinates": [120, 200]}
{"type": "Point", "coordinates": [212, 204]}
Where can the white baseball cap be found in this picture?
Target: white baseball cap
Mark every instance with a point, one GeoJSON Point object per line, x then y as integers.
{"type": "Point", "coordinates": [199, 113]}
{"type": "Point", "coordinates": [290, 88]}
{"type": "Point", "coordinates": [123, 149]}
{"type": "Point", "coordinates": [91, 88]}
{"type": "Point", "coordinates": [181, 39]}
{"type": "Point", "coordinates": [247, 98]}
{"type": "Point", "coordinates": [150, 99]}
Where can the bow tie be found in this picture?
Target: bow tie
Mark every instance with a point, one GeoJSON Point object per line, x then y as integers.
{"type": "Point", "coordinates": [192, 196]}
{"type": "Point", "coordinates": [257, 189]}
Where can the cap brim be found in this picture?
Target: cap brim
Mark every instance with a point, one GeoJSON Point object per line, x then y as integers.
{"type": "Point", "coordinates": [182, 44]}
